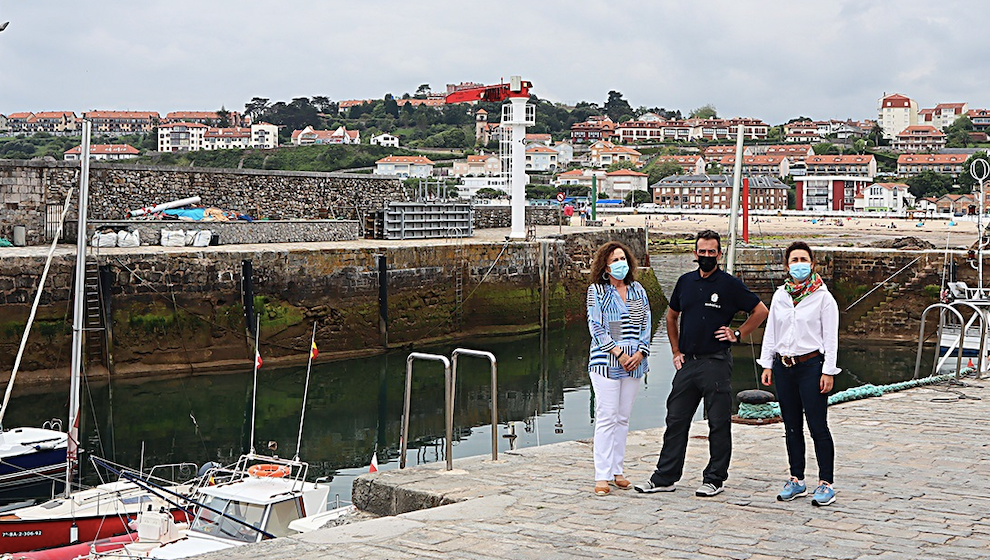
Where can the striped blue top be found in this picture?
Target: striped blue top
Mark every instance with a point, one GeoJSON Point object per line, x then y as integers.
{"type": "Point", "coordinates": [614, 322]}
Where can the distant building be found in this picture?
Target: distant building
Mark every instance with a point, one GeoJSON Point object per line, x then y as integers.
{"type": "Point", "coordinates": [477, 166]}
{"type": "Point", "coordinates": [120, 123]}
{"type": "Point", "coordinates": [690, 164]}
{"type": "Point", "coordinates": [980, 119]}
{"type": "Point", "coordinates": [103, 152]}
{"type": "Point", "coordinates": [541, 158]}
{"type": "Point", "coordinates": [4, 126]}
{"type": "Point", "coordinates": [956, 203]}
{"type": "Point", "coordinates": [928, 204]}
{"type": "Point", "coordinates": [209, 118]}
{"type": "Point", "coordinates": [714, 192]}
{"type": "Point", "coordinates": [385, 139]}
{"type": "Point", "coordinates": [946, 113]}
{"type": "Point", "coordinates": [56, 123]}
{"type": "Point", "coordinates": [308, 136]}
{"type": "Point", "coordinates": [593, 130]}
{"type": "Point", "coordinates": [832, 182]}
{"type": "Point", "coordinates": [565, 152]}
{"type": "Point", "coordinates": [776, 165]}
{"type": "Point", "coordinates": [18, 123]}
{"type": "Point", "coordinates": [946, 164]}
{"type": "Point", "coordinates": [264, 136]}
{"type": "Point", "coordinates": [604, 153]}
{"type": "Point", "coordinates": [621, 182]}
{"type": "Point", "coordinates": [404, 166]}
{"type": "Point", "coordinates": [181, 137]}
{"type": "Point", "coordinates": [580, 178]}
{"type": "Point", "coordinates": [544, 139]}
{"type": "Point", "coordinates": [919, 138]}
{"type": "Point", "coordinates": [884, 197]}
{"type": "Point", "coordinates": [793, 152]}
{"type": "Point", "coordinates": [715, 153]}
{"type": "Point", "coordinates": [896, 112]}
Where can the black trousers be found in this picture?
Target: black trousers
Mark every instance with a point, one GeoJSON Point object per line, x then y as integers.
{"type": "Point", "coordinates": [799, 393]}
{"type": "Point", "coordinates": [706, 378]}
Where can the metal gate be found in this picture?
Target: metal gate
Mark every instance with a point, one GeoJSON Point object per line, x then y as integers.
{"type": "Point", "coordinates": [53, 215]}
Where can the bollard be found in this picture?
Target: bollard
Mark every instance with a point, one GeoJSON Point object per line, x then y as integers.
{"type": "Point", "coordinates": [20, 236]}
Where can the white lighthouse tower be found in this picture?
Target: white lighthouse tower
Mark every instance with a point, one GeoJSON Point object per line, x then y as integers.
{"type": "Point", "coordinates": [516, 116]}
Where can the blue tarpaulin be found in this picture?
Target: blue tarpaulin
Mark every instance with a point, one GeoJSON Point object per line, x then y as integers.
{"type": "Point", "coordinates": [188, 213]}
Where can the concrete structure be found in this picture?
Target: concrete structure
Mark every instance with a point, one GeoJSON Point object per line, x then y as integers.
{"type": "Point", "coordinates": [884, 197]}
{"type": "Point", "coordinates": [919, 138]}
{"type": "Point", "coordinates": [181, 137]}
{"type": "Point", "coordinates": [404, 166]}
{"type": "Point", "coordinates": [103, 152]}
{"type": "Point", "coordinates": [30, 189]}
{"type": "Point", "coordinates": [946, 164]}
{"type": "Point", "coordinates": [715, 191]}
{"type": "Point", "coordinates": [385, 139]}
{"type": "Point", "coordinates": [896, 112]}
{"type": "Point", "coordinates": [776, 165]}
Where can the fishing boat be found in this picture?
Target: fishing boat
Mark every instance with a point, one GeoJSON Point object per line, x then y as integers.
{"type": "Point", "coordinates": [261, 497]}
{"type": "Point", "coordinates": [30, 457]}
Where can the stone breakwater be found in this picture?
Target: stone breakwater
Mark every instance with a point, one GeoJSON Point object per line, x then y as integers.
{"type": "Point", "coordinates": [28, 187]}
{"type": "Point", "coordinates": [236, 233]}
{"type": "Point", "coordinates": [183, 308]}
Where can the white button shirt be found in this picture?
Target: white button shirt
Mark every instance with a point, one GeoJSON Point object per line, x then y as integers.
{"type": "Point", "coordinates": [796, 331]}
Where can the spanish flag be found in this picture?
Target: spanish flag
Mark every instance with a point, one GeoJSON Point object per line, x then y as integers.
{"type": "Point", "coordinates": [313, 352]}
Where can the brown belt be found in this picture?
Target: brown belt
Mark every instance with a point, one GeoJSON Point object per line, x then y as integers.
{"type": "Point", "coordinates": [791, 361]}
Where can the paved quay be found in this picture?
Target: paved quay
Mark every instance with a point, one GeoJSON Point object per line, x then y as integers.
{"type": "Point", "coordinates": [911, 482]}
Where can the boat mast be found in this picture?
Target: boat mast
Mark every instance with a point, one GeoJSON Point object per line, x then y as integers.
{"type": "Point", "coordinates": [254, 390]}
{"type": "Point", "coordinates": [730, 258]}
{"type": "Point", "coordinates": [302, 414]}
{"type": "Point", "coordinates": [78, 317]}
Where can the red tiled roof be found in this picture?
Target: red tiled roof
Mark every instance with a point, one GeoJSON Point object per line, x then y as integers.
{"type": "Point", "coordinates": [233, 132]}
{"type": "Point", "coordinates": [181, 115]}
{"type": "Point", "coordinates": [480, 159]}
{"type": "Point", "coordinates": [924, 129]}
{"type": "Point", "coordinates": [186, 124]}
{"type": "Point", "coordinates": [121, 114]}
{"type": "Point", "coordinates": [755, 160]}
{"type": "Point", "coordinates": [626, 172]}
{"type": "Point", "coordinates": [540, 150]}
{"type": "Point", "coordinates": [405, 159]}
{"type": "Point", "coordinates": [106, 149]}
{"type": "Point", "coordinates": [956, 107]}
{"type": "Point", "coordinates": [19, 115]}
{"type": "Point", "coordinates": [572, 173]}
{"type": "Point", "coordinates": [824, 160]}
{"type": "Point", "coordinates": [896, 100]}
{"type": "Point", "coordinates": [54, 114]}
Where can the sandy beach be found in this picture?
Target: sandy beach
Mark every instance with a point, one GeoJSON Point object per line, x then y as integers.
{"type": "Point", "coordinates": [780, 230]}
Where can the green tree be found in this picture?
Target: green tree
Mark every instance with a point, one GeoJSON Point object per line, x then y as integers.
{"type": "Point", "coordinates": [540, 192]}
{"type": "Point", "coordinates": [638, 197]}
{"type": "Point", "coordinates": [966, 180]}
{"type": "Point", "coordinates": [658, 172]}
{"type": "Point", "coordinates": [487, 192]}
{"type": "Point", "coordinates": [825, 148]}
{"type": "Point", "coordinates": [859, 145]}
{"type": "Point", "coordinates": [957, 133]}
{"type": "Point", "coordinates": [256, 107]}
{"type": "Point", "coordinates": [620, 165]}
{"type": "Point", "coordinates": [706, 111]}
{"type": "Point", "coordinates": [929, 183]}
{"type": "Point", "coordinates": [422, 91]}
{"type": "Point", "coordinates": [616, 107]}
{"type": "Point", "coordinates": [223, 117]}
{"type": "Point", "coordinates": [390, 106]}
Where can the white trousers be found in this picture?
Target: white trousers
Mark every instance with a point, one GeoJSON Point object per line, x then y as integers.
{"type": "Point", "coordinates": [613, 405]}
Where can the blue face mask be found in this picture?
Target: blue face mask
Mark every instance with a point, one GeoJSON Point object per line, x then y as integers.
{"type": "Point", "coordinates": [618, 269]}
{"type": "Point", "coordinates": [800, 271]}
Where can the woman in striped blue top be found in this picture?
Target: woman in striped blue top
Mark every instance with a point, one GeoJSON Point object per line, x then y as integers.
{"type": "Point", "coordinates": [620, 324]}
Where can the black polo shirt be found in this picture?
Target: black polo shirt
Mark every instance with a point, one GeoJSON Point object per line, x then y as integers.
{"type": "Point", "coordinates": [705, 304]}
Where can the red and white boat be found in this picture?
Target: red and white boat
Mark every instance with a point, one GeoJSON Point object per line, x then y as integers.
{"type": "Point", "coordinates": [85, 516]}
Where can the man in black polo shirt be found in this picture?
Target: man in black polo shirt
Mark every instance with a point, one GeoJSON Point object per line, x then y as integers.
{"type": "Point", "coordinates": [705, 300]}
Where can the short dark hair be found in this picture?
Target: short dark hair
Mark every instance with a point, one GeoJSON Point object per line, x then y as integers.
{"type": "Point", "coordinates": [708, 234]}
{"type": "Point", "coordinates": [798, 246]}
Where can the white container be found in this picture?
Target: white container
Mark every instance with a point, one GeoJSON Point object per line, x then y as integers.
{"type": "Point", "coordinates": [20, 236]}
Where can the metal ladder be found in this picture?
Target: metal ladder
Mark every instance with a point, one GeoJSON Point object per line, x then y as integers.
{"type": "Point", "coordinates": [95, 322]}
{"type": "Point", "coordinates": [450, 384]}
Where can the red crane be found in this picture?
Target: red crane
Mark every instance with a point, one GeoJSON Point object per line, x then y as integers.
{"type": "Point", "coordinates": [491, 94]}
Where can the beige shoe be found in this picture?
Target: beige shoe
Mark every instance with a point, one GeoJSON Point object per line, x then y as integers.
{"type": "Point", "coordinates": [601, 488]}
{"type": "Point", "coordinates": [621, 483]}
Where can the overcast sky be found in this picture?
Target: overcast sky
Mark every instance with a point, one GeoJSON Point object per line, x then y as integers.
{"type": "Point", "coordinates": [773, 59]}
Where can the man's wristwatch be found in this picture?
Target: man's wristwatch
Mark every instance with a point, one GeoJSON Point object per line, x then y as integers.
{"type": "Point", "coordinates": [737, 334]}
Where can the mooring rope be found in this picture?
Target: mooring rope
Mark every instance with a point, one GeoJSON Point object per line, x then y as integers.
{"type": "Point", "coordinates": [772, 410]}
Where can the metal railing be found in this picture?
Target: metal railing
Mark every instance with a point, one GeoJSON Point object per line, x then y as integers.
{"type": "Point", "coordinates": [921, 338]}
{"type": "Point", "coordinates": [450, 383]}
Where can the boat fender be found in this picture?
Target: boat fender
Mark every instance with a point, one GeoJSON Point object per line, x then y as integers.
{"type": "Point", "coordinates": [269, 470]}
{"type": "Point", "coordinates": [207, 467]}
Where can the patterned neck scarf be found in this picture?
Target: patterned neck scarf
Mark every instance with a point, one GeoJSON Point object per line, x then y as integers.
{"type": "Point", "coordinates": [801, 290]}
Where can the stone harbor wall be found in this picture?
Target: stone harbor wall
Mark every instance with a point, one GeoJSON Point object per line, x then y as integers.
{"type": "Point", "coordinates": [182, 309]}
{"type": "Point", "coordinates": [29, 187]}
{"type": "Point", "coordinates": [231, 233]}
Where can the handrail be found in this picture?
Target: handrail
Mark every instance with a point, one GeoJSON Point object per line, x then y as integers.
{"type": "Point", "coordinates": [921, 337]}
{"type": "Point", "coordinates": [453, 383]}
{"type": "Point", "coordinates": [882, 283]}
{"type": "Point", "coordinates": [448, 397]}
{"type": "Point", "coordinates": [983, 329]}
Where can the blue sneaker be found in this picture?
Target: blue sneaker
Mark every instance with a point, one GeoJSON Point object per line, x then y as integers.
{"type": "Point", "coordinates": [793, 489]}
{"type": "Point", "coordinates": [824, 495]}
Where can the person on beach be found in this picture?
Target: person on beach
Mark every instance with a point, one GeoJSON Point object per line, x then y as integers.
{"type": "Point", "coordinates": [798, 356]}
{"type": "Point", "coordinates": [619, 320]}
{"type": "Point", "coordinates": [704, 301]}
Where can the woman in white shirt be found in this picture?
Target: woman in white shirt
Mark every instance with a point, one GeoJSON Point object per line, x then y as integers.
{"type": "Point", "coordinates": [799, 351]}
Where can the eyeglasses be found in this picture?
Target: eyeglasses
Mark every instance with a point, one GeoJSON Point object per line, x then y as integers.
{"type": "Point", "coordinates": [707, 252]}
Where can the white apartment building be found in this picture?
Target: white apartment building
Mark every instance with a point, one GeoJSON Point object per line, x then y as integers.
{"type": "Point", "coordinates": [386, 140]}
{"type": "Point", "coordinates": [181, 137]}
{"type": "Point", "coordinates": [895, 113]}
{"type": "Point", "coordinates": [884, 197]}
{"type": "Point", "coordinates": [103, 152]}
{"type": "Point", "coordinates": [404, 166]}
{"type": "Point", "coordinates": [541, 158]}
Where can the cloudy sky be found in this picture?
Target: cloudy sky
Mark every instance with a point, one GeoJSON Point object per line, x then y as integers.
{"type": "Point", "coordinates": [771, 59]}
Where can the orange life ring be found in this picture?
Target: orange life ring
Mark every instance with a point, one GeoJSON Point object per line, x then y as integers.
{"type": "Point", "coordinates": [272, 471]}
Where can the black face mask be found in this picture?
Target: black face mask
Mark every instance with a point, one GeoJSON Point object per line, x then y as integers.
{"type": "Point", "coordinates": [707, 264]}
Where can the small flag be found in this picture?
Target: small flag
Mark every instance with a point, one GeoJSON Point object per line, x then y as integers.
{"type": "Point", "coordinates": [313, 353]}
{"type": "Point", "coordinates": [374, 463]}
{"type": "Point", "coordinates": [257, 359]}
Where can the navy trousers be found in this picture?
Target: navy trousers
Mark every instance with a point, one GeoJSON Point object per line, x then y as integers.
{"type": "Point", "coordinates": [703, 378]}
{"type": "Point", "coordinates": [800, 397]}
